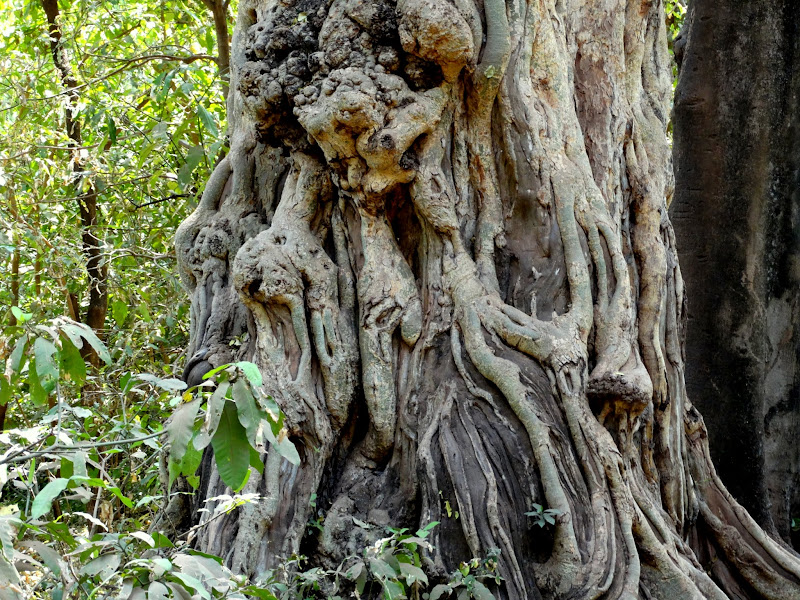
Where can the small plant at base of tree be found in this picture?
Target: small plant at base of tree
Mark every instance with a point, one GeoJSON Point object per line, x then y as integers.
{"type": "Point", "coordinates": [543, 516]}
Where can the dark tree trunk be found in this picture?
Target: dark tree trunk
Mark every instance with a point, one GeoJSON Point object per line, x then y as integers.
{"type": "Point", "coordinates": [85, 192]}
{"type": "Point", "coordinates": [737, 222]}
{"type": "Point", "coordinates": [442, 232]}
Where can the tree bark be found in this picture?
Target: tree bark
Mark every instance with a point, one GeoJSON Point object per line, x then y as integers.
{"type": "Point", "coordinates": [736, 209]}
{"type": "Point", "coordinates": [442, 232]}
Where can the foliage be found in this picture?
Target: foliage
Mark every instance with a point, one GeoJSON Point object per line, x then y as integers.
{"type": "Point", "coordinates": [151, 109]}
{"type": "Point", "coordinates": [393, 567]}
{"type": "Point", "coordinates": [543, 516]}
{"type": "Point", "coordinates": [98, 474]}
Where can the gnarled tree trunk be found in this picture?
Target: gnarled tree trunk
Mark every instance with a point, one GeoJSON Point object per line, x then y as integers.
{"type": "Point", "coordinates": [442, 234]}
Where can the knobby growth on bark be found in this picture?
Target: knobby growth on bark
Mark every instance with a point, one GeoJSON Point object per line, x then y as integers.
{"type": "Point", "coordinates": [442, 234]}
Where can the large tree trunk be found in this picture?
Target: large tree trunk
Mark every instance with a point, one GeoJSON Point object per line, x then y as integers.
{"type": "Point", "coordinates": [443, 229]}
{"type": "Point", "coordinates": [736, 218]}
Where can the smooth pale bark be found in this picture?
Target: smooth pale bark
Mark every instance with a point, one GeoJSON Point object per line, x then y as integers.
{"type": "Point", "coordinates": [442, 234]}
{"type": "Point", "coordinates": [735, 213]}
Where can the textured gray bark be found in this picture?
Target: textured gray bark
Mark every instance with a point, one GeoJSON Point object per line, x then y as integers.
{"type": "Point", "coordinates": [736, 216]}
{"type": "Point", "coordinates": [442, 234]}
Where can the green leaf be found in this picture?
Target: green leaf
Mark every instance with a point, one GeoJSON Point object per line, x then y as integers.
{"type": "Point", "coordinates": [255, 460]}
{"type": "Point", "coordinates": [392, 590]}
{"type": "Point", "coordinates": [180, 428]}
{"type": "Point", "coordinates": [162, 541]}
{"type": "Point", "coordinates": [119, 310]}
{"type": "Point", "coordinates": [38, 393]}
{"type": "Point", "coordinates": [439, 591]}
{"type": "Point", "coordinates": [46, 366]}
{"type": "Point", "coordinates": [157, 591]}
{"type": "Point", "coordinates": [74, 330]}
{"type": "Point", "coordinates": [413, 574]}
{"type": "Point", "coordinates": [193, 583]}
{"type": "Point", "coordinates": [193, 158]}
{"type": "Point", "coordinates": [8, 527]}
{"type": "Point", "coordinates": [5, 391]}
{"type": "Point", "coordinates": [354, 571]}
{"type": "Point", "coordinates": [44, 499]}
{"type": "Point", "coordinates": [103, 565]}
{"type": "Point", "coordinates": [50, 557]}
{"type": "Point", "coordinates": [72, 362]}
{"type": "Point", "coordinates": [481, 592]}
{"type": "Point", "coordinates": [18, 353]}
{"type": "Point", "coordinates": [215, 405]}
{"type": "Point", "coordinates": [381, 568]}
{"type": "Point", "coordinates": [231, 450]}
{"type": "Point", "coordinates": [191, 460]}
{"type": "Point", "coordinates": [207, 120]}
{"type": "Point", "coordinates": [251, 372]}
{"type": "Point", "coordinates": [111, 129]}
{"type": "Point", "coordinates": [215, 370]}
{"type": "Point", "coordinates": [249, 414]}
{"type": "Point", "coordinates": [286, 448]}
{"type": "Point", "coordinates": [22, 317]}
{"type": "Point", "coordinates": [170, 383]}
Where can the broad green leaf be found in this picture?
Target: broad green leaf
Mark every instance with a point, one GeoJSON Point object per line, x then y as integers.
{"type": "Point", "coordinates": [413, 574]}
{"type": "Point", "coordinates": [193, 583]}
{"type": "Point", "coordinates": [72, 363]}
{"type": "Point", "coordinates": [157, 591]}
{"type": "Point", "coordinates": [481, 592]}
{"type": "Point", "coordinates": [255, 460]}
{"type": "Point", "coordinates": [18, 353]}
{"type": "Point", "coordinates": [439, 591]}
{"type": "Point", "coordinates": [38, 393]}
{"type": "Point", "coordinates": [5, 390]}
{"type": "Point", "coordinates": [145, 537]}
{"type": "Point", "coordinates": [46, 366]}
{"type": "Point", "coordinates": [44, 499]}
{"type": "Point", "coordinates": [231, 450]}
{"type": "Point", "coordinates": [286, 448]}
{"type": "Point", "coordinates": [392, 590]}
{"type": "Point", "coordinates": [207, 120]}
{"type": "Point", "coordinates": [50, 557]}
{"type": "Point", "coordinates": [9, 576]}
{"type": "Point", "coordinates": [191, 460]}
{"type": "Point", "coordinates": [84, 331]}
{"type": "Point", "coordinates": [215, 370]}
{"type": "Point", "coordinates": [22, 317]}
{"type": "Point", "coordinates": [193, 158]}
{"type": "Point", "coordinates": [381, 568]}
{"type": "Point", "coordinates": [8, 526]}
{"type": "Point", "coordinates": [354, 571]}
{"type": "Point", "coordinates": [215, 405]}
{"type": "Point", "coordinates": [170, 383]}
{"type": "Point", "coordinates": [111, 129]}
{"type": "Point", "coordinates": [119, 310]}
{"type": "Point", "coordinates": [249, 415]}
{"type": "Point", "coordinates": [103, 565]}
{"type": "Point", "coordinates": [178, 591]}
{"type": "Point", "coordinates": [118, 493]}
{"type": "Point", "coordinates": [162, 541]}
{"type": "Point", "coordinates": [180, 428]}
{"type": "Point", "coordinates": [251, 372]}
{"type": "Point", "coordinates": [258, 592]}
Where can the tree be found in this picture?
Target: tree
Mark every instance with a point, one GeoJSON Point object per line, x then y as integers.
{"type": "Point", "coordinates": [441, 233]}
{"type": "Point", "coordinates": [735, 218]}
